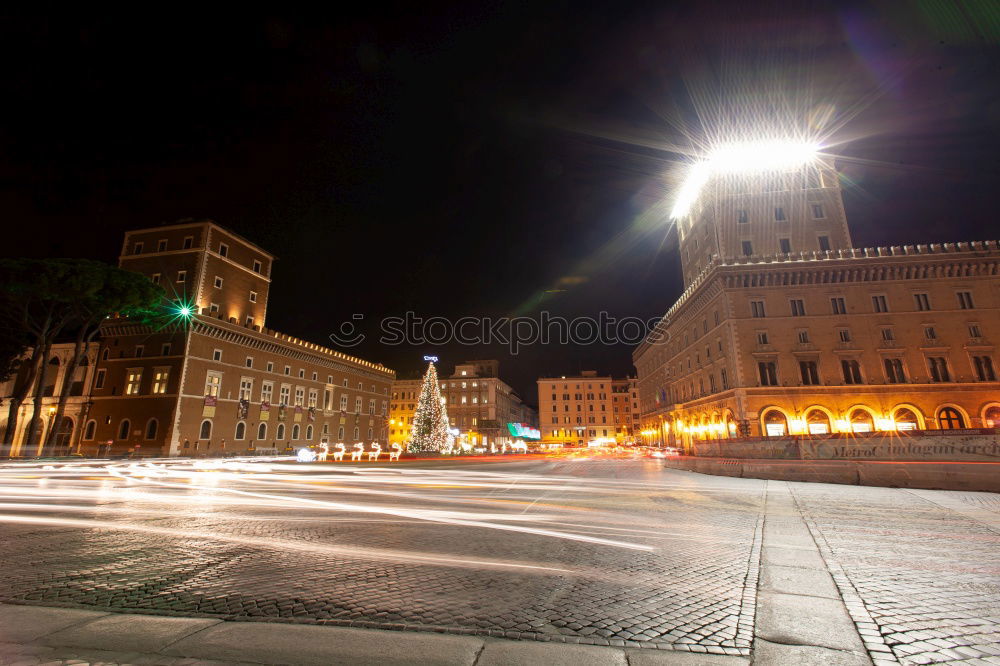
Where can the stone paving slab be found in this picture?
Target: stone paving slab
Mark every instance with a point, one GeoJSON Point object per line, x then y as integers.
{"type": "Point", "coordinates": [23, 624]}
{"type": "Point", "coordinates": [504, 653]}
{"type": "Point", "coordinates": [796, 580]}
{"type": "Point", "coordinates": [767, 653]}
{"type": "Point", "coordinates": [129, 633]}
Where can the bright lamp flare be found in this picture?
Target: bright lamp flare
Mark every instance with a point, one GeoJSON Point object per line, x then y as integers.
{"type": "Point", "coordinates": [751, 157]}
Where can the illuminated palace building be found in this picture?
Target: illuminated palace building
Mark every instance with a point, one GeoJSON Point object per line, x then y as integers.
{"type": "Point", "coordinates": [480, 405]}
{"type": "Point", "coordinates": [588, 408]}
{"type": "Point", "coordinates": [785, 328]}
{"type": "Point", "coordinates": [218, 381]}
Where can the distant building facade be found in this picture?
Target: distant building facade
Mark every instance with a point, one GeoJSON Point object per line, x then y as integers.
{"type": "Point", "coordinates": [219, 381]}
{"type": "Point", "coordinates": [577, 410]}
{"type": "Point", "coordinates": [480, 405]}
{"type": "Point", "coordinates": [785, 328]}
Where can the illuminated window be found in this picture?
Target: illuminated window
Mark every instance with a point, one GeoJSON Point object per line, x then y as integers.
{"type": "Point", "coordinates": [246, 388]}
{"type": "Point", "coordinates": [133, 377]}
{"type": "Point", "coordinates": [160, 378]}
{"type": "Point", "coordinates": [266, 391]}
{"type": "Point", "coordinates": [213, 383]}
{"type": "Point", "coordinates": [950, 418]}
{"type": "Point", "coordinates": [284, 394]}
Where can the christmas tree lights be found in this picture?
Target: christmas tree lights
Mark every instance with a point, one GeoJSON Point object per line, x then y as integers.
{"type": "Point", "coordinates": [430, 420]}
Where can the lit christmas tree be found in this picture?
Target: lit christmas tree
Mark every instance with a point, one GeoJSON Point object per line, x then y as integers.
{"type": "Point", "coordinates": [430, 420]}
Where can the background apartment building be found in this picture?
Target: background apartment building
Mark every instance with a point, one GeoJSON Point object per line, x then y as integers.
{"type": "Point", "coordinates": [220, 381]}
{"type": "Point", "coordinates": [785, 328]}
{"type": "Point", "coordinates": [480, 405]}
{"type": "Point", "coordinates": [589, 407]}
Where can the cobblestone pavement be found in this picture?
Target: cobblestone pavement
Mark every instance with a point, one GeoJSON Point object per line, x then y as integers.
{"type": "Point", "coordinates": [606, 551]}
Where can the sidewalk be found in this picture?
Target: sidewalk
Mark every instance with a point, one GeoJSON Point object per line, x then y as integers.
{"type": "Point", "coordinates": [40, 635]}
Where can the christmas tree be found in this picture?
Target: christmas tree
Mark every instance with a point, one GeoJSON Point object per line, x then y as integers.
{"type": "Point", "coordinates": [430, 420]}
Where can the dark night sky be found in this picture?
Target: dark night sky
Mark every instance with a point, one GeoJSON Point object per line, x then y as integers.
{"type": "Point", "coordinates": [456, 161]}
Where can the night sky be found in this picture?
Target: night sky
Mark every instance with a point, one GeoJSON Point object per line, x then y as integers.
{"type": "Point", "coordinates": [487, 162]}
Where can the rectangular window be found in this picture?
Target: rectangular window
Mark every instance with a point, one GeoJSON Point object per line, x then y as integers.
{"type": "Point", "coordinates": [99, 381]}
{"type": "Point", "coordinates": [270, 366]}
{"type": "Point", "coordinates": [768, 373]}
{"type": "Point", "coordinates": [725, 379]}
{"type": "Point", "coordinates": [218, 282]}
{"type": "Point", "coordinates": [357, 405]}
{"type": "Point", "coordinates": [938, 366]}
{"type": "Point", "coordinates": [838, 305]}
{"type": "Point", "coordinates": [284, 394]}
{"type": "Point", "coordinates": [747, 248]}
{"type": "Point", "coordinates": [133, 377]}
{"type": "Point", "coordinates": [155, 278]}
{"type": "Point", "coordinates": [804, 337]}
{"type": "Point", "coordinates": [327, 399]}
{"type": "Point", "coordinates": [246, 388]}
{"type": "Point", "coordinates": [894, 371]}
{"type": "Point", "coordinates": [343, 402]}
{"type": "Point", "coordinates": [249, 361]}
{"type": "Point", "coordinates": [266, 391]}
{"type": "Point", "coordinates": [302, 373]}
{"type": "Point", "coordinates": [779, 214]}
{"type": "Point", "coordinates": [742, 217]}
{"type": "Point", "coordinates": [762, 337]}
{"type": "Point", "coordinates": [852, 371]}
{"type": "Point", "coordinates": [757, 309]}
{"type": "Point", "coordinates": [257, 266]}
{"type": "Point", "coordinates": [300, 396]}
{"type": "Point", "coordinates": [139, 349]}
{"type": "Point", "coordinates": [975, 331]}
{"type": "Point", "coordinates": [165, 349]}
{"type": "Point", "coordinates": [371, 407]}
{"type": "Point", "coordinates": [182, 276]}
{"type": "Point", "coordinates": [798, 307]}
{"type": "Point", "coordinates": [288, 370]}
{"type": "Point", "coordinates": [824, 243]}
{"type": "Point", "coordinates": [810, 375]}
{"type": "Point", "coordinates": [213, 308]}
{"type": "Point", "coordinates": [879, 304]}
{"type": "Point", "coordinates": [785, 244]}
{"type": "Point", "coordinates": [161, 245]}
{"type": "Point", "coordinates": [160, 378]}
{"type": "Point", "coordinates": [217, 355]}
{"type": "Point", "coordinates": [313, 397]}
{"type": "Point", "coordinates": [137, 249]}
{"type": "Point", "coordinates": [930, 333]}
{"type": "Point", "coordinates": [965, 300]}
{"type": "Point", "coordinates": [888, 335]}
{"type": "Point", "coordinates": [984, 368]}
{"type": "Point", "coordinates": [213, 383]}
{"type": "Point", "coordinates": [223, 250]}
{"type": "Point", "coordinates": [253, 296]}
{"type": "Point", "coordinates": [188, 242]}
{"type": "Point", "coordinates": [922, 301]}
{"type": "Point", "coordinates": [817, 211]}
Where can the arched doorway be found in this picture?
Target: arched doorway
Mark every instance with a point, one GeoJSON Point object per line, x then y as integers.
{"type": "Point", "coordinates": [950, 418]}
{"type": "Point", "coordinates": [817, 422]}
{"type": "Point", "coordinates": [775, 423]}
{"type": "Point", "coordinates": [991, 416]}
{"type": "Point", "coordinates": [63, 439]}
{"type": "Point", "coordinates": [861, 420]}
{"type": "Point", "coordinates": [906, 419]}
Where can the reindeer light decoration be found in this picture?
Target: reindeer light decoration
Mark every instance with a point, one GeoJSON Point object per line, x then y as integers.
{"type": "Point", "coordinates": [519, 446]}
{"type": "Point", "coordinates": [324, 451]}
{"type": "Point", "coordinates": [359, 449]}
{"type": "Point", "coordinates": [339, 453]}
{"type": "Point", "coordinates": [396, 451]}
{"type": "Point", "coordinates": [374, 453]}
{"type": "Point", "coordinates": [466, 446]}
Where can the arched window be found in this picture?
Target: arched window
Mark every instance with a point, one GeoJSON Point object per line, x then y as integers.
{"type": "Point", "coordinates": [357, 433]}
{"type": "Point", "coordinates": [295, 431]}
{"type": "Point", "coordinates": [309, 433]}
{"type": "Point", "coordinates": [280, 434]}
{"type": "Point", "coordinates": [905, 419]}
{"type": "Point", "coordinates": [206, 430]}
{"type": "Point", "coordinates": [90, 430]}
{"type": "Point", "coordinates": [991, 417]}
{"type": "Point", "coordinates": [817, 422]}
{"type": "Point", "coordinates": [369, 433]}
{"type": "Point", "coordinates": [241, 430]}
{"type": "Point", "coordinates": [861, 421]}
{"type": "Point", "coordinates": [151, 427]}
{"type": "Point", "coordinates": [775, 424]}
{"type": "Point", "coordinates": [340, 433]}
{"type": "Point", "coordinates": [950, 418]}
{"type": "Point", "coordinates": [262, 431]}
{"type": "Point", "coordinates": [123, 429]}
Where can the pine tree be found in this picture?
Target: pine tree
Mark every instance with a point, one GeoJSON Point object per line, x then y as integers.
{"type": "Point", "coordinates": [430, 420]}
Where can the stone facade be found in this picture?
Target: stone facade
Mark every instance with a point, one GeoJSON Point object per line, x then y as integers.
{"type": "Point", "coordinates": [823, 341]}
